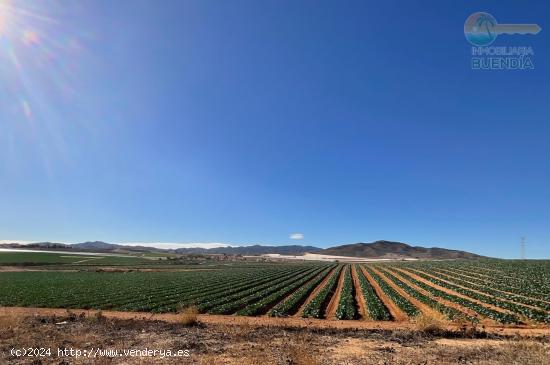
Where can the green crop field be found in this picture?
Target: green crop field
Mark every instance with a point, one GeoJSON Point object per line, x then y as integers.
{"type": "Point", "coordinates": [492, 291]}
{"type": "Point", "coordinates": [51, 258]}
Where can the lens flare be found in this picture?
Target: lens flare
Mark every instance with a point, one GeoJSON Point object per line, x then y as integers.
{"type": "Point", "coordinates": [26, 109]}
{"type": "Point", "coordinates": [30, 38]}
{"type": "Point", "coordinates": [40, 59]}
{"type": "Point", "coordinates": [3, 17]}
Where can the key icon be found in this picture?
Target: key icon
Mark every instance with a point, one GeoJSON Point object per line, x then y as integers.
{"type": "Point", "coordinates": [481, 29]}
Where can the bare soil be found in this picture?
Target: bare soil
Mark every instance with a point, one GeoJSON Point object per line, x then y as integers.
{"type": "Point", "coordinates": [335, 300]}
{"type": "Point", "coordinates": [359, 298]}
{"type": "Point", "coordinates": [244, 343]}
{"type": "Point", "coordinates": [286, 322]}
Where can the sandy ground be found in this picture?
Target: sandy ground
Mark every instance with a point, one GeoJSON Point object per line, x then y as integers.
{"type": "Point", "coordinates": [242, 344]}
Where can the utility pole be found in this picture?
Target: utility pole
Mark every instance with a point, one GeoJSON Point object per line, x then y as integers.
{"type": "Point", "coordinates": [522, 247]}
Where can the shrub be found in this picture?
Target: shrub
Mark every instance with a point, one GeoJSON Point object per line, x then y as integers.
{"type": "Point", "coordinates": [189, 316]}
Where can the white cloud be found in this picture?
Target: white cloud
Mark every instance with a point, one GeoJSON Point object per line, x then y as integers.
{"type": "Point", "coordinates": [296, 236]}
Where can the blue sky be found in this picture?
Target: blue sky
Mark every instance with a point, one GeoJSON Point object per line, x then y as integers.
{"type": "Point", "coordinates": [247, 121]}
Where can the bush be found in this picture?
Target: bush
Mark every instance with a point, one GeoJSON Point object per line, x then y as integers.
{"type": "Point", "coordinates": [189, 316]}
{"type": "Point", "coordinates": [431, 323]}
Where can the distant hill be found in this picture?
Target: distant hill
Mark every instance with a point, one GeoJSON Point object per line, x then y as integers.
{"type": "Point", "coordinates": [114, 247]}
{"type": "Point", "coordinates": [396, 250]}
{"type": "Point", "coordinates": [100, 246]}
{"type": "Point", "coordinates": [228, 250]}
{"type": "Point", "coordinates": [378, 249]}
{"type": "Point", "coordinates": [97, 245]}
{"type": "Point", "coordinates": [252, 250]}
{"type": "Point", "coordinates": [38, 245]}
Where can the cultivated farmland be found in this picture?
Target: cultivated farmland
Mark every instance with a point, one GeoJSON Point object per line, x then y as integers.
{"type": "Point", "coordinates": [492, 292]}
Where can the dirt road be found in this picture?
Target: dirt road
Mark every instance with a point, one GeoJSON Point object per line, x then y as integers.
{"type": "Point", "coordinates": [291, 322]}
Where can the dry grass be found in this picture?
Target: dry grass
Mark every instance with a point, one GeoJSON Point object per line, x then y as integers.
{"type": "Point", "coordinates": [299, 350]}
{"type": "Point", "coordinates": [468, 328]}
{"type": "Point", "coordinates": [258, 345]}
{"type": "Point", "coordinates": [301, 354]}
{"type": "Point", "coordinates": [525, 352]}
{"type": "Point", "coordinates": [290, 349]}
{"type": "Point", "coordinates": [188, 316]}
{"type": "Point", "coordinates": [11, 321]}
{"type": "Point", "coordinates": [96, 317]}
{"type": "Point", "coordinates": [431, 323]}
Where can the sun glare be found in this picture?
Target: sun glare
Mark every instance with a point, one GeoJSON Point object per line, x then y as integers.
{"type": "Point", "coordinates": [41, 54]}
{"type": "Point", "coordinates": [38, 47]}
{"type": "Point", "coordinates": [4, 6]}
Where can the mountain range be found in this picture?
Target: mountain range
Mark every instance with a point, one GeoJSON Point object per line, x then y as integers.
{"type": "Point", "coordinates": [377, 249]}
{"type": "Point", "coordinates": [396, 250]}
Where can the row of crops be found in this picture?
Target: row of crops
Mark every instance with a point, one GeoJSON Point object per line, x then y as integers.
{"type": "Point", "coordinates": [218, 291]}
{"type": "Point", "coordinates": [346, 304]}
{"type": "Point", "coordinates": [499, 291]}
{"type": "Point", "coordinates": [316, 308]}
